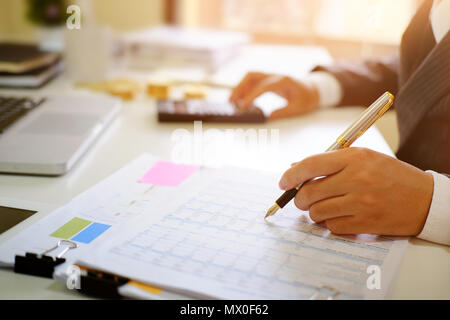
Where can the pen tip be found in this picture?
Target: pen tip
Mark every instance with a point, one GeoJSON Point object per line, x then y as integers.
{"type": "Point", "coordinates": [272, 210]}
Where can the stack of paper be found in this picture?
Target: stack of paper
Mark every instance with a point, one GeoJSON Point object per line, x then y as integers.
{"type": "Point", "coordinates": [182, 46]}
{"type": "Point", "coordinates": [206, 237]}
{"type": "Point", "coordinates": [199, 232]}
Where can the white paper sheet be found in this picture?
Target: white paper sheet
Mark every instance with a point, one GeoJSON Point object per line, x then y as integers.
{"type": "Point", "coordinates": [208, 238]}
{"type": "Point", "coordinates": [94, 205]}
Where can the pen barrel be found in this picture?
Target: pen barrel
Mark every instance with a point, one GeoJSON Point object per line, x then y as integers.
{"type": "Point", "coordinates": [364, 122]}
{"type": "Point", "coordinates": [335, 146]}
{"type": "Point", "coordinates": [287, 196]}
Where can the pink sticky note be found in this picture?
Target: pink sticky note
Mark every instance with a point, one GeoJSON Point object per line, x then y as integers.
{"type": "Point", "coordinates": [165, 173]}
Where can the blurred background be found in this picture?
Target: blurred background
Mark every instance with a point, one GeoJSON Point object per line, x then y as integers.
{"type": "Point", "coordinates": [347, 28]}
{"type": "Point", "coordinates": [206, 41]}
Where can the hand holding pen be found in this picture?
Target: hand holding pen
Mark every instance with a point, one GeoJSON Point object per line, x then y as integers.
{"type": "Point", "coordinates": [360, 190]}
{"type": "Point", "coordinates": [364, 122]}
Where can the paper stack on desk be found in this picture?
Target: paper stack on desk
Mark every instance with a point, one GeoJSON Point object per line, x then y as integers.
{"type": "Point", "coordinates": [183, 46]}
{"type": "Point", "coordinates": [200, 232]}
{"type": "Point", "coordinates": [207, 238]}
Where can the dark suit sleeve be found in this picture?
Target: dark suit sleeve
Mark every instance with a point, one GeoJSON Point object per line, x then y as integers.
{"type": "Point", "coordinates": [363, 82]}
{"type": "Point", "coordinates": [428, 145]}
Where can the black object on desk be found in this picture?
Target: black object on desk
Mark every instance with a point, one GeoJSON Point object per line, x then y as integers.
{"type": "Point", "coordinates": [207, 111]}
{"type": "Point", "coordinates": [35, 265]}
{"type": "Point", "coordinates": [101, 284]}
{"type": "Point", "coordinates": [42, 265]}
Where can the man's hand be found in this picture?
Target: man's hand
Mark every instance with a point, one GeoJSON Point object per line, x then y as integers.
{"type": "Point", "coordinates": [302, 96]}
{"type": "Point", "coordinates": [362, 191]}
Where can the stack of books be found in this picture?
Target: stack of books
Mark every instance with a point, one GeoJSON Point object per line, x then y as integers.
{"type": "Point", "coordinates": [27, 66]}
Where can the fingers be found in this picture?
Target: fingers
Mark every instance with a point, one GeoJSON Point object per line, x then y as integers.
{"type": "Point", "coordinates": [246, 84]}
{"type": "Point", "coordinates": [343, 225]}
{"type": "Point", "coordinates": [323, 164]}
{"type": "Point", "coordinates": [239, 89]}
{"type": "Point", "coordinates": [351, 225]}
{"type": "Point", "coordinates": [319, 190]}
{"type": "Point", "coordinates": [337, 215]}
{"type": "Point", "coordinates": [270, 84]}
{"type": "Point", "coordinates": [341, 216]}
{"type": "Point", "coordinates": [330, 209]}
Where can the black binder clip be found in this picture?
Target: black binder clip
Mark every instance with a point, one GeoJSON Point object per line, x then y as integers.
{"type": "Point", "coordinates": [42, 265]}
{"type": "Point", "coordinates": [101, 284]}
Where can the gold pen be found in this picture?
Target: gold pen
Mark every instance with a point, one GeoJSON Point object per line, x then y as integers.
{"type": "Point", "coordinates": [364, 122]}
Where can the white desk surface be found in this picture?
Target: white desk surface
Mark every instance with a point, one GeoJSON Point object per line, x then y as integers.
{"type": "Point", "coordinates": [423, 274]}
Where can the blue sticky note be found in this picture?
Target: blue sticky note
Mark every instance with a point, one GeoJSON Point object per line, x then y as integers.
{"type": "Point", "coordinates": [91, 232]}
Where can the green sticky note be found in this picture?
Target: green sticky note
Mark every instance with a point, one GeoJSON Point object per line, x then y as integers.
{"type": "Point", "coordinates": [71, 228]}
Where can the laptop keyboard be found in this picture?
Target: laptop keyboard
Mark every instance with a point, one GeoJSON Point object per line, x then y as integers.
{"type": "Point", "coordinates": [14, 108]}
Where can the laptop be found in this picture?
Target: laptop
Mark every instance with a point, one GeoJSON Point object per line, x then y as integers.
{"type": "Point", "coordinates": [48, 135]}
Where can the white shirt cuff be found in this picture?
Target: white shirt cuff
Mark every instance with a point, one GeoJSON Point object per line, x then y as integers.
{"type": "Point", "coordinates": [437, 226]}
{"type": "Point", "coordinates": [328, 87]}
